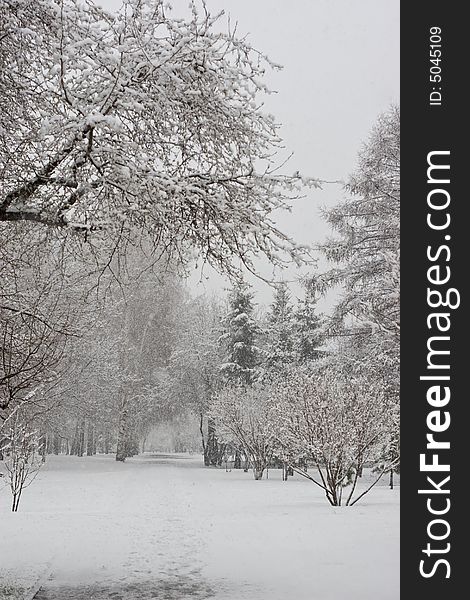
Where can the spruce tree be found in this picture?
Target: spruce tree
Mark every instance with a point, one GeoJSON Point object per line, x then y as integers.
{"type": "Point", "coordinates": [280, 334]}
{"type": "Point", "coordinates": [239, 337]}
{"type": "Point", "coordinates": [308, 325]}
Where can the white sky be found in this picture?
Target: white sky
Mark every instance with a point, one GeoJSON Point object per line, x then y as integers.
{"type": "Point", "coordinates": [341, 69]}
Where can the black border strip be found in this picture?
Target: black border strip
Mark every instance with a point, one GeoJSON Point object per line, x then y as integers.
{"type": "Point", "coordinates": [427, 128]}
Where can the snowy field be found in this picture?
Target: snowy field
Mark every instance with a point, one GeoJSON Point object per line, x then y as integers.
{"type": "Point", "coordinates": [165, 528]}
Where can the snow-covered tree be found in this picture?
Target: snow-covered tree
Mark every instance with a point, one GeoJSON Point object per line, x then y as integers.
{"type": "Point", "coordinates": [243, 416]}
{"type": "Point", "coordinates": [390, 454]}
{"type": "Point", "coordinates": [114, 123]}
{"type": "Point", "coordinates": [335, 418]}
{"type": "Point", "coordinates": [308, 325]}
{"type": "Point", "coordinates": [366, 254]}
{"type": "Point", "coordinates": [367, 250]}
{"type": "Point", "coordinates": [148, 324]}
{"type": "Point", "coordinates": [239, 338]}
{"type": "Point", "coordinates": [279, 334]}
{"type": "Point", "coordinates": [116, 384]}
{"type": "Point", "coordinates": [43, 306]}
{"type": "Point", "coordinates": [239, 341]}
{"type": "Point", "coordinates": [292, 334]}
{"type": "Point", "coordinates": [194, 374]}
{"type": "Point", "coordinates": [21, 450]}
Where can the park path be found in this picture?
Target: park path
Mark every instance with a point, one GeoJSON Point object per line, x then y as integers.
{"type": "Point", "coordinates": [178, 589]}
{"type": "Point", "coordinates": [146, 547]}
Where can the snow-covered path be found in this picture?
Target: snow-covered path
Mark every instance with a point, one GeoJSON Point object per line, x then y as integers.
{"type": "Point", "coordinates": [163, 527]}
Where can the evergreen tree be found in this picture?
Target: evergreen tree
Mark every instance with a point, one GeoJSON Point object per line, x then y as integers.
{"type": "Point", "coordinates": [239, 337]}
{"type": "Point", "coordinates": [366, 258]}
{"type": "Point", "coordinates": [308, 325]}
{"type": "Point", "coordinates": [280, 334]}
{"type": "Point", "coordinates": [366, 250]}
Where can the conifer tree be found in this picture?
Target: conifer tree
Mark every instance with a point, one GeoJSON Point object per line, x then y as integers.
{"type": "Point", "coordinates": [308, 325]}
{"type": "Point", "coordinates": [239, 337]}
{"type": "Point", "coordinates": [280, 334]}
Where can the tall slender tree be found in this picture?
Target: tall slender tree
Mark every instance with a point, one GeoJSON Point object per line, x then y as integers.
{"type": "Point", "coordinates": [194, 369]}
{"type": "Point", "coordinates": [279, 332]}
{"type": "Point", "coordinates": [308, 325]}
{"type": "Point", "coordinates": [240, 342]}
{"type": "Point", "coordinates": [240, 337]}
{"type": "Point", "coordinates": [366, 258]}
{"type": "Point", "coordinates": [366, 250]}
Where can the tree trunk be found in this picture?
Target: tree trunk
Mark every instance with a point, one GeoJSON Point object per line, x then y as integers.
{"type": "Point", "coordinates": [237, 463]}
{"type": "Point", "coordinates": [335, 497]}
{"type": "Point", "coordinates": [258, 470]}
{"type": "Point", "coordinates": [212, 447]}
{"type": "Point", "coordinates": [284, 471]}
{"type": "Point", "coordinates": [90, 440]}
{"type": "Point", "coordinates": [391, 479]}
{"type": "Point", "coordinates": [247, 463]}
{"type": "Point", "coordinates": [203, 441]}
{"type": "Point", "coordinates": [43, 446]}
{"type": "Point", "coordinates": [81, 438]}
{"type": "Point", "coordinates": [121, 450]}
{"type": "Point", "coordinates": [56, 443]}
{"type": "Point", "coordinates": [74, 445]}
{"type": "Point", "coordinates": [107, 442]}
{"type": "Point", "coordinates": [221, 452]}
{"type": "Point", "coordinates": [144, 442]}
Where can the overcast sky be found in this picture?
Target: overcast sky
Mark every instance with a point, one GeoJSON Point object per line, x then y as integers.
{"type": "Point", "coordinates": [341, 69]}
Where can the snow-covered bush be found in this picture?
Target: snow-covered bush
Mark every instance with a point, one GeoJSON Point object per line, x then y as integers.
{"type": "Point", "coordinates": [22, 459]}
{"type": "Point", "coordinates": [337, 420]}
{"type": "Point", "coordinates": [243, 416]}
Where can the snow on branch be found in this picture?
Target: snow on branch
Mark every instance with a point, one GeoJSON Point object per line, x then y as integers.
{"type": "Point", "coordinates": [142, 121]}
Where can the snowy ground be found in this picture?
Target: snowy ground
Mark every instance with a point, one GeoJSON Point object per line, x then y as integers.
{"type": "Point", "coordinates": [164, 528]}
